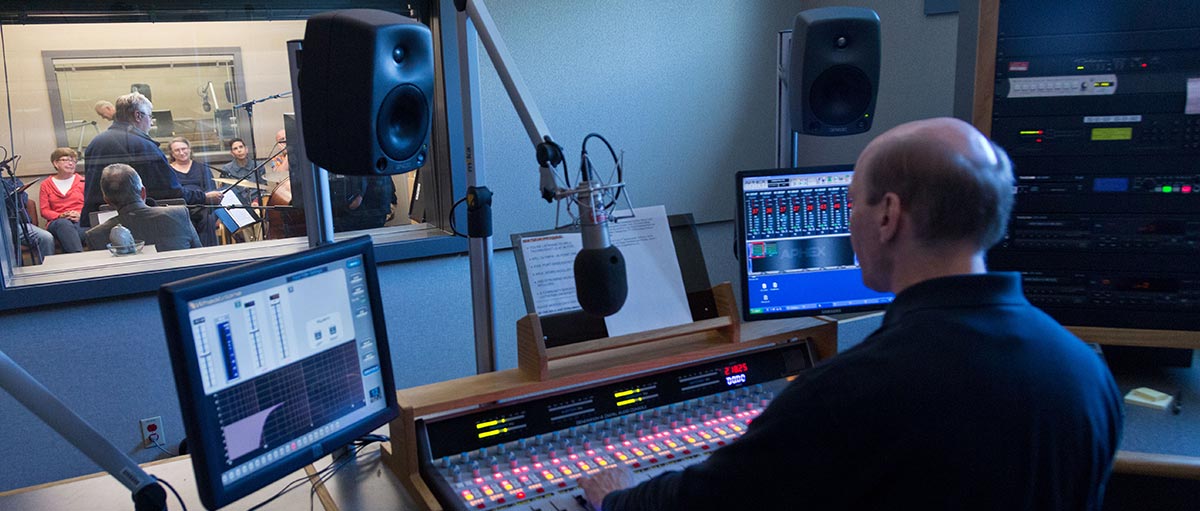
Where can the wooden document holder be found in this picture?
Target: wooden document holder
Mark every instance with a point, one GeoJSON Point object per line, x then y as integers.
{"type": "Point", "coordinates": [533, 357]}
{"type": "Point", "coordinates": [542, 369]}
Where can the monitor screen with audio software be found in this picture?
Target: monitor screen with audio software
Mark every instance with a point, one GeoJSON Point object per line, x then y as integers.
{"type": "Point", "coordinates": [794, 244]}
{"type": "Point", "coordinates": [277, 364]}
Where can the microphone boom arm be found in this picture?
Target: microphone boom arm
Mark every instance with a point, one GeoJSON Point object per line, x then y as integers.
{"type": "Point", "coordinates": [52, 411]}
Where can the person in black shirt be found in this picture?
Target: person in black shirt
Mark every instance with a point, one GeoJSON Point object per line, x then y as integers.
{"type": "Point", "coordinates": [967, 397]}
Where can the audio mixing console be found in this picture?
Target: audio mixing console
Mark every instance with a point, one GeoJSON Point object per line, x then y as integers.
{"type": "Point", "coordinates": [528, 455]}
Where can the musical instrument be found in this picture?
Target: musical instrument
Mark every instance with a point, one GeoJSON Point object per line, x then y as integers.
{"type": "Point", "coordinates": [528, 455]}
{"type": "Point", "coordinates": [284, 222]}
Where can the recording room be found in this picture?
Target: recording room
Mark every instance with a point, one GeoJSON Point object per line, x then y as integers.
{"type": "Point", "coordinates": [539, 255]}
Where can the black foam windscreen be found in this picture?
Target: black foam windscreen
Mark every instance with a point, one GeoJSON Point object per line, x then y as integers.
{"type": "Point", "coordinates": [833, 70]}
{"type": "Point", "coordinates": [366, 90]}
{"type": "Point", "coordinates": [600, 282]}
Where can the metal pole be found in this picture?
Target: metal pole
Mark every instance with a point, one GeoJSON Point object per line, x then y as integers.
{"type": "Point", "coordinates": [479, 249]}
{"type": "Point", "coordinates": [318, 213]}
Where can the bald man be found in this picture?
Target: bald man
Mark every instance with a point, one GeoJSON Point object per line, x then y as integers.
{"type": "Point", "coordinates": [967, 397]}
{"type": "Point", "coordinates": [105, 110]}
{"type": "Point", "coordinates": [279, 159]}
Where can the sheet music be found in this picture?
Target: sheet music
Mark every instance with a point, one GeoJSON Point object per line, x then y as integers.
{"type": "Point", "coordinates": [241, 216]}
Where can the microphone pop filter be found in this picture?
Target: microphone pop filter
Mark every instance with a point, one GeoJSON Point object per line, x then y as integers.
{"type": "Point", "coordinates": [600, 284]}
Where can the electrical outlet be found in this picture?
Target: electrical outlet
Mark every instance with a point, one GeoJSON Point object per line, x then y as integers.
{"type": "Point", "coordinates": [152, 432]}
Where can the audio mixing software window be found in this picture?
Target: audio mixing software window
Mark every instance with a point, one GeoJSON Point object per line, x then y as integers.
{"type": "Point", "coordinates": [270, 351]}
{"type": "Point", "coordinates": [797, 241]}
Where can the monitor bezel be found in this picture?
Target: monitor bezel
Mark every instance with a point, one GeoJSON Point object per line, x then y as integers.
{"type": "Point", "coordinates": [740, 239]}
{"type": "Point", "coordinates": [206, 452]}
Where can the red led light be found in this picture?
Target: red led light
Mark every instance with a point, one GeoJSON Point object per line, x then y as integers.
{"type": "Point", "coordinates": [1145, 65]}
{"type": "Point", "coordinates": [1187, 189]}
{"type": "Point", "coordinates": [520, 495]}
{"type": "Point", "coordinates": [1038, 140]}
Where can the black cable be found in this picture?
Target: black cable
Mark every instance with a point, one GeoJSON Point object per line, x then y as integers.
{"type": "Point", "coordinates": [616, 162]}
{"type": "Point", "coordinates": [340, 461]}
{"type": "Point", "coordinates": [172, 488]}
{"type": "Point", "coordinates": [453, 227]}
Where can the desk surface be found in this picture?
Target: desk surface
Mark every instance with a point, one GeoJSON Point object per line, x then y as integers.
{"type": "Point", "coordinates": [1160, 431]}
{"type": "Point", "coordinates": [367, 483]}
{"type": "Point", "coordinates": [100, 256]}
{"type": "Point", "coordinates": [361, 484]}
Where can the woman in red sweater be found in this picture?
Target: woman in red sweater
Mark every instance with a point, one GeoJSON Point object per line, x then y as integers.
{"type": "Point", "coordinates": [61, 199]}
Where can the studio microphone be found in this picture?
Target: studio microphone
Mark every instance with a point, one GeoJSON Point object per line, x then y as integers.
{"type": "Point", "coordinates": [600, 282]}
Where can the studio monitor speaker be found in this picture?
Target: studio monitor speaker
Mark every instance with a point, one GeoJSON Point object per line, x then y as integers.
{"type": "Point", "coordinates": [366, 91]}
{"type": "Point", "coordinates": [833, 72]}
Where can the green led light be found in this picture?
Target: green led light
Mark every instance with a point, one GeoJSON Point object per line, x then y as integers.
{"type": "Point", "coordinates": [866, 115]}
{"type": "Point", "coordinates": [1167, 189]}
{"type": "Point", "coordinates": [1079, 68]}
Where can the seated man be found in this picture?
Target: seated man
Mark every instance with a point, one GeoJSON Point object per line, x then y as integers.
{"type": "Point", "coordinates": [967, 397]}
{"type": "Point", "coordinates": [167, 228]}
{"type": "Point", "coordinates": [21, 223]}
{"type": "Point", "coordinates": [242, 166]}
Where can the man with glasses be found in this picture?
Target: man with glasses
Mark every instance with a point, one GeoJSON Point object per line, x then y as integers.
{"type": "Point", "coordinates": [127, 141]}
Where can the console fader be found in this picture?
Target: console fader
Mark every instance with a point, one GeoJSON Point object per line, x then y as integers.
{"type": "Point", "coordinates": [528, 455]}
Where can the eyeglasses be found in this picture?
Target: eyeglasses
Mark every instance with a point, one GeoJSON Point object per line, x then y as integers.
{"type": "Point", "coordinates": [66, 159]}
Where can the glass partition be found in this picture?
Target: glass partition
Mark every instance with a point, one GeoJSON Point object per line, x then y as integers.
{"type": "Point", "coordinates": [217, 80]}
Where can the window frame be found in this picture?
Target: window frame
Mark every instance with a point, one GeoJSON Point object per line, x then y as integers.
{"type": "Point", "coordinates": [446, 160]}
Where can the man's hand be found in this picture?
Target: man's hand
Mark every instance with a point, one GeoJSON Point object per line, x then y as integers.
{"type": "Point", "coordinates": [355, 203]}
{"type": "Point", "coordinates": [607, 481]}
{"type": "Point", "coordinates": [213, 197]}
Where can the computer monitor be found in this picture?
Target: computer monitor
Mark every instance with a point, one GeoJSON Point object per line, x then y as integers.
{"type": "Point", "coordinates": [794, 244]}
{"type": "Point", "coordinates": [162, 123]}
{"type": "Point", "coordinates": [278, 363]}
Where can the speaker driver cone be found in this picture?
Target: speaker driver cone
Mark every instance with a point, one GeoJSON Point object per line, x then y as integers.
{"type": "Point", "coordinates": [403, 122]}
{"type": "Point", "coordinates": [840, 95]}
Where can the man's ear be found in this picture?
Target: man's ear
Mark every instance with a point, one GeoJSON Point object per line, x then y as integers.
{"type": "Point", "coordinates": [889, 223]}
